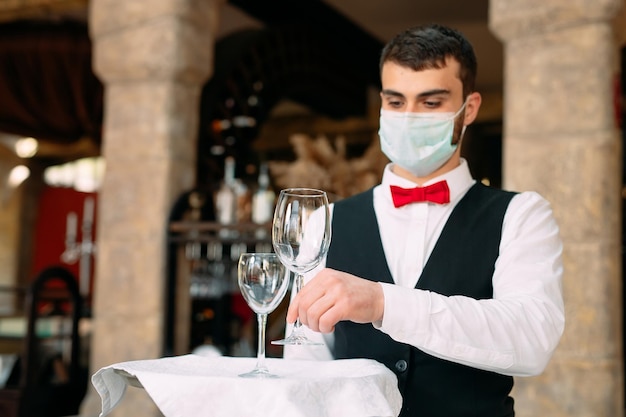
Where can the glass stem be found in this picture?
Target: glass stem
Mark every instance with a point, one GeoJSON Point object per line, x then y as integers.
{"type": "Point", "coordinates": [260, 363]}
{"type": "Point", "coordinates": [299, 279]}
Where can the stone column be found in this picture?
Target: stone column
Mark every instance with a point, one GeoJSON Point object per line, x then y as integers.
{"type": "Point", "coordinates": [10, 222]}
{"type": "Point", "coordinates": [561, 139]}
{"type": "Point", "coordinates": [154, 56]}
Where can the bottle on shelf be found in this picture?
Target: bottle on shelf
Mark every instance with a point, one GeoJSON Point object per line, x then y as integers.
{"type": "Point", "coordinates": [263, 200]}
{"type": "Point", "coordinates": [226, 195]}
{"type": "Point", "coordinates": [244, 201]}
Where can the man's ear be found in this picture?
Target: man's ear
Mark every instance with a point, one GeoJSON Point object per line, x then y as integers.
{"type": "Point", "coordinates": [472, 107]}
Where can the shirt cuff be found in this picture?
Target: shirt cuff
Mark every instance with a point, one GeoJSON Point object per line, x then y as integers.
{"type": "Point", "coordinates": [401, 303]}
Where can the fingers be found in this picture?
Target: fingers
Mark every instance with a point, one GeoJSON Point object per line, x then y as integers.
{"type": "Point", "coordinates": [332, 296]}
{"type": "Point", "coordinates": [319, 314]}
{"type": "Point", "coordinates": [314, 304]}
{"type": "Point", "coordinates": [292, 312]}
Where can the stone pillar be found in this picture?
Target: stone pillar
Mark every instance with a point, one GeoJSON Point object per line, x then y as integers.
{"type": "Point", "coordinates": [154, 57]}
{"type": "Point", "coordinates": [10, 222]}
{"type": "Point", "coordinates": [561, 139]}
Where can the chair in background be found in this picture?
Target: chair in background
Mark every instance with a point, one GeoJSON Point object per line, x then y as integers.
{"type": "Point", "coordinates": [50, 380]}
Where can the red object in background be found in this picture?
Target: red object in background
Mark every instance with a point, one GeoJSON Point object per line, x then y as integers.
{"type": "Point", "coordinates": [241, 309]}
{"type": "Point", "coordinates": [51, 227]}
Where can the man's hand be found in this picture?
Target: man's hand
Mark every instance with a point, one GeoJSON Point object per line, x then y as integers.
{"type": "Point", "coordinates": [332, 296]}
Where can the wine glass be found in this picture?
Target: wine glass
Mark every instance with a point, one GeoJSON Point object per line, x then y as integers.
{"type": "Point", "coordinates": [301, 237]}
{"type": "Point", "coordinates": [263, 281]}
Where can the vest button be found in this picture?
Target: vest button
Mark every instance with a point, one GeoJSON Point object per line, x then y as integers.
{"type": "Point", "coordinates": [401, 365]}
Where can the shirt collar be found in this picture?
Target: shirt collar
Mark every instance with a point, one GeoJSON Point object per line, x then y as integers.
{"type": "Point", "coordinates": [459, 180]}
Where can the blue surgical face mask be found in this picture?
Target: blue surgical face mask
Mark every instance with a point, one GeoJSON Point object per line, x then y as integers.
{"type": "Point", "coordinates": [418, 142]}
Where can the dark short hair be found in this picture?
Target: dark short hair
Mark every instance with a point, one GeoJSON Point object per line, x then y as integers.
{"type": "Point", "coordinates": [427, 47]}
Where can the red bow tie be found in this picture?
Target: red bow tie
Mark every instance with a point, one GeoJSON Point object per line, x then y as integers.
{"type": "Point", "coordinates": [437, 193]}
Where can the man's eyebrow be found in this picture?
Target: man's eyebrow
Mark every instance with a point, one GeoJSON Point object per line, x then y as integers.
{"type": "Point", "coordinates": [436, 92]}
{"type": "Point", "coordinates": [422, 95]}
{"type": "Point", "coordinates": [394, 93]}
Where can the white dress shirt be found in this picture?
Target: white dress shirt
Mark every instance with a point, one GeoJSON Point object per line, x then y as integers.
{"type": "Point", "coordinates": [515, 333]}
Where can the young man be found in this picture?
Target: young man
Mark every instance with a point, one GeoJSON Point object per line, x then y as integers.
{"type": "Point", "coordinates": [455, 295]}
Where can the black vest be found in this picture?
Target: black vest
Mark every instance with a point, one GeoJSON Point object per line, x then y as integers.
{"type": "Point", "coordinates": [462, 263]}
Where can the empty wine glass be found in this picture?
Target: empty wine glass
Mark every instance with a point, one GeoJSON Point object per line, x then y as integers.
{"type": "Point", "coordinates": [301, 237]}
{"type": "Point", "coordinates": [263, 281]}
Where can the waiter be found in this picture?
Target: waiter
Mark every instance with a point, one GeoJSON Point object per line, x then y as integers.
{"type": "Point", "coordinates": [453, 285]}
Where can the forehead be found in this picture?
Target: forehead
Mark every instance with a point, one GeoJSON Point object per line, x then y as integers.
{"type": "Point", "coordinates": [410, 83]}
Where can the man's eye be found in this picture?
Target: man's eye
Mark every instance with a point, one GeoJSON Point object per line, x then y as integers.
{"type": "Point", "coordinates": [432, 104]}
{"type": "Point", "coordinates": [394, 103]}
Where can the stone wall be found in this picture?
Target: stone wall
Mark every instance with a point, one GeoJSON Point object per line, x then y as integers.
{"type": "Point", "coordinates": [561, 139]}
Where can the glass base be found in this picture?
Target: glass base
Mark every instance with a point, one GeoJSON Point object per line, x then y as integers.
{"type": "Point", "coordinates": [259, 373]}
{"type": "Point", "coordinates": [297, 339]}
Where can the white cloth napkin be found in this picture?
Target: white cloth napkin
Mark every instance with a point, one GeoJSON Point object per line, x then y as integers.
{"type": "Point", "coordinates": [192, 385]}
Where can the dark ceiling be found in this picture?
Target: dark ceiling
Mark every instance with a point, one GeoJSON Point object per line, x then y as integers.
{"type": "Point", "coordinates": [48, 89]}
{"type": "Point", "coordinates": [45, 59]}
